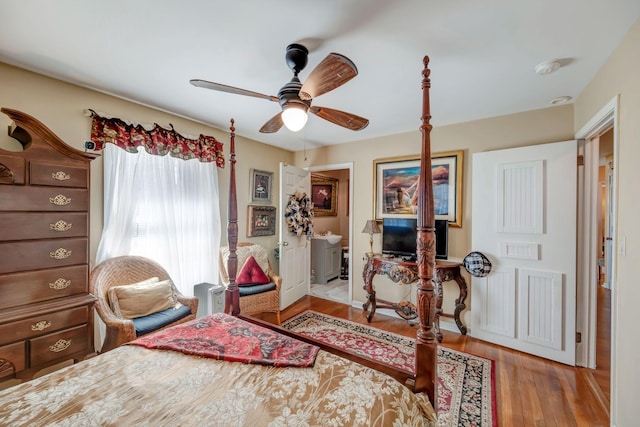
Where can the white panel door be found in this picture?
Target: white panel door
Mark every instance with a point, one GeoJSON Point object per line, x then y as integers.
{"type": "Point", "coordinates": [294, 251]}
{"type": "Point", "coordinates": [524, 220]}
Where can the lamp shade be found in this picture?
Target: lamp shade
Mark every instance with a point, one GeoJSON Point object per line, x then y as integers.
{"type": "Point", "coordinates": [371, 227]}
{"type": "Point", "coordinates": [294, 117]}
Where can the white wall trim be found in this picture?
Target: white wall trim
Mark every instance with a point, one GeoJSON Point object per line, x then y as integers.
{"type": "Point", "coordinates": [339, 166]}
{"type": "Point", "coordinates": [601, 122]}
{"type": "Point", "coordinates": [607, 117]}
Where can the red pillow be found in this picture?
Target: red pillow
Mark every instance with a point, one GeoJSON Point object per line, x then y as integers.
{"type": "Point", "coordinates": [251, 274]}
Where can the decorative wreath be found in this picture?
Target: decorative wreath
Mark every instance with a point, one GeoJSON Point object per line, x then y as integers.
{"type": "Point", "coordinates": [299, 215]}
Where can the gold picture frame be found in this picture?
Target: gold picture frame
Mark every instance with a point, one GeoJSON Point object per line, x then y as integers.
{"type": "Point", "coordinates": [396, 182]}
{"type": "Point", "coordinates": [324, 194]}
{"type": "Point", "coordinates": [261, 221]}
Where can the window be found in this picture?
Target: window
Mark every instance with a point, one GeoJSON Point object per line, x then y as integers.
{"type": "Point", "coordinates": [165, 209]}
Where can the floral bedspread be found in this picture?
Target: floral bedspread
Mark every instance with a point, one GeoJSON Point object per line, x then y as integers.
{"type": "Point", "coordinates": [135, 386]}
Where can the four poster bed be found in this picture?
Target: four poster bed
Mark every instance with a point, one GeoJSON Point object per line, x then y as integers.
{"type": "Point", "coordinates": [286, 379]}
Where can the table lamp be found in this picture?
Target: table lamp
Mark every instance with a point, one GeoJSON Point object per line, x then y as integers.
{"type": "Point", "coordinates": [372, 228]}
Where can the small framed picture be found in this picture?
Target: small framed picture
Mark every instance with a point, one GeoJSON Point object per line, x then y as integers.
{"type": "Point", "coordinates": [261, 186]}
{"type": "Point", "coordinates": [261, 221]}
{"type": "Point", "coordinates": [324, 192]}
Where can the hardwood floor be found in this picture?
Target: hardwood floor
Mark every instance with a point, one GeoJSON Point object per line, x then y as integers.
{"type": "Point", "coordinates": [530, 391]}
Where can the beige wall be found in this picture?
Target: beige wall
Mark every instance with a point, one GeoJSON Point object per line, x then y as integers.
{"type": "Point", "coordinates": [533, 127]}
{"type": "Point", "coordinates": [60, 107]}
{"type": "Point", "coordinates": [619, 76]}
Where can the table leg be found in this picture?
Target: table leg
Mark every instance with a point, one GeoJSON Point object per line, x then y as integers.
{"type": "Point", "coordinates": [371, 300]}
{"type": "Point", "coordinates": [367, 276]}
{"type": "Point", "coordinates": [460, 305]}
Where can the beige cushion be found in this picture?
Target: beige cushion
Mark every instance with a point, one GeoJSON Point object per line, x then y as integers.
{"type": "Point", "coordinates": [142, 298]}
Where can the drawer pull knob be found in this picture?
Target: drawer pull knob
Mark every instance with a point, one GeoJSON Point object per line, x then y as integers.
{"type": "Point", "coordinates": [6, 175]}
{"type": "Point", "coordinates": [60, 176]}
{"type": "Point", "coordinates": [61, 226]}
{"type": "Point", "coordinates": [60, 200]}
{"type": "Point", "coordinates": [60, 345]}
{"type": "Point", "coordinates": [60, 253]}
{"type": "Point", "coordinates": [60, 284]}
{"type": "Point", "coordinates": [41, 325]}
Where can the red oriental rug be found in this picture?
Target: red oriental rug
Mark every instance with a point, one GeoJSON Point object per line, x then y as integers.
{"type": "Point", "coordinates": [466, 383]}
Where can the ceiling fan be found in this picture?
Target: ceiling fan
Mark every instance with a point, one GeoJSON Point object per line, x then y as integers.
{"type": "Point", "coordinates": [295, 98]}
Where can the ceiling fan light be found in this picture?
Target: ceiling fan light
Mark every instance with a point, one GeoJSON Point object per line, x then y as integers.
{"type": "Point", "coordinates": [294, 117]}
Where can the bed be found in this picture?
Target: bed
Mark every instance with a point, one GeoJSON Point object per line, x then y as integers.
{"type": "Point", "coordinates": [296, 382]}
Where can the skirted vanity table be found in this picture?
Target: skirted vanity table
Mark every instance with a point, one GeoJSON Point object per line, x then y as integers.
{"type": "Point", "coordinates": [326, 253]}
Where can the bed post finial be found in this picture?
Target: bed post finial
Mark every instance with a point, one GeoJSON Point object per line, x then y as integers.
{"type": "Point", "coordinates": [232, 296]}
{"type": "Point", "coordinates": [426, 344]}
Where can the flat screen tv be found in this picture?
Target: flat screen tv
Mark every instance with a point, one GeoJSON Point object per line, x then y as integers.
{"type": "Point", "coordinates": [399, 237]}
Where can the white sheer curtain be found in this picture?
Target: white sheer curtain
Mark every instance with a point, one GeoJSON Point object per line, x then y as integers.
{"type": "Point", "coordinates": [165, 209]}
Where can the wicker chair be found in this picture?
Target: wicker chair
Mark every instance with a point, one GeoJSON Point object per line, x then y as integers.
{"type": "Point", "coordinates": [264, 302]}
{"type": "Point", "coordinates": [125, 270]}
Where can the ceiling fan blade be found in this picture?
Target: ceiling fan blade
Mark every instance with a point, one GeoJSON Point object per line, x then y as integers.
{"type": "Point", "coordinates": [334, 71]}
{"type": "Point", "coordinates": [340, 118]}
{"type": "Point", "coordinates": [230, 89]}
{"type": "Point", "coordinates": [273, 124]}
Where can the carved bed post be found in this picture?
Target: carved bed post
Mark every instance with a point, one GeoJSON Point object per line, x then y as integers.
{"type": "Point", "coordinates": [426, 344]}
{"type": "Point", "coordinates": [232, 294]}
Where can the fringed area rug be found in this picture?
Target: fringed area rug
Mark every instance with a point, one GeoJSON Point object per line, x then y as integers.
{"type": "Point", "coordinates": [466, 383]}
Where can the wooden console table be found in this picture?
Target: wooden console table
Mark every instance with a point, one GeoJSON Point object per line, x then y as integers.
{"type": "Point", "coordinates": [406, 272]}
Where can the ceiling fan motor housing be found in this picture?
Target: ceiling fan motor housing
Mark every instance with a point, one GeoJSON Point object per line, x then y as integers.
{"type": "Point", "coordinates": [290, 94]}
{"type": "Point", "coordinates": [296, 57]}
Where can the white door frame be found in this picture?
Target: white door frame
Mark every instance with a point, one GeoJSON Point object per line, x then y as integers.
{"type": "Point", "coordinates": [606, 118]}
{"type": "Point", "coordinates": [294, 250]}
{"type": "Point", "coordinates": [338, 166]}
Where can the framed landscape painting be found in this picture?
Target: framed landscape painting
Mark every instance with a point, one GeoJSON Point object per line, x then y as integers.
{"type": "Point", "coordinates": [396, 184]}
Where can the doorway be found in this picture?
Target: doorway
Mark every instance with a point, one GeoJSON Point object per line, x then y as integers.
{"type": "Point", "coordinates": [601, 375]}
{"type": "Point", "coordinates": [327, 224]}
{"type": "Point", "coordinates": [596, 350]}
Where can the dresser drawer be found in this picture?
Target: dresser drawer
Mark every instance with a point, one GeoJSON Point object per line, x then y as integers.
{"type": "Point", "coordinates": [14, 353]}
{"type": "Point", "coordinates": [43, 324]}
{"type": "Point", "coordinates": [34, 286]}
{"type": "Point", "coordinates": [58, 345]}
{"type": "Point", "coordinates": [21, 198]}
{"type": "Point", "coordinates": [41, 254]}
{"type": "Point", "coordinates": [25, 226]}
{"type": "Point", "coordinates": [57, 175]}
{"type": "Point", "coordinates": [11, 170]}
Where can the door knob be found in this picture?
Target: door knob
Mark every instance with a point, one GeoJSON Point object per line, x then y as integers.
{"type": "Point", "coordinates": [285, 243]}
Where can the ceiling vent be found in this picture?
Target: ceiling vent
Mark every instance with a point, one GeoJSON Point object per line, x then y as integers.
{"type": "Point", "coordinates": [547, 67]}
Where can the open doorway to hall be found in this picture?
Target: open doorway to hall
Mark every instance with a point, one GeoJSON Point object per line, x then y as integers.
{"type": "Point", "coordinates": [597, 241]}
{"type": "Point", "coordinates": [330, 275]}
{"type": "Point", "coordinates": [602, 372]}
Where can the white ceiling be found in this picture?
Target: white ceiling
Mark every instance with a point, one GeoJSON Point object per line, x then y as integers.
{"type": "Point", "coordinates": [483, 55]}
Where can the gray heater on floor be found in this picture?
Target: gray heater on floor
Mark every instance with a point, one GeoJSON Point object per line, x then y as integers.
{"type": "Point", "coordinates": [210, 298]}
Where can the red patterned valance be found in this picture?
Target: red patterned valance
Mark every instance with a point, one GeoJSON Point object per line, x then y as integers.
{"type": "Point", "coordinates": [159, 141]}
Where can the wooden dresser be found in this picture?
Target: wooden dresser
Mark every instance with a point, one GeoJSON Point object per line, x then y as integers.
{"type": "Point", "coordinates": [46, 311]}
